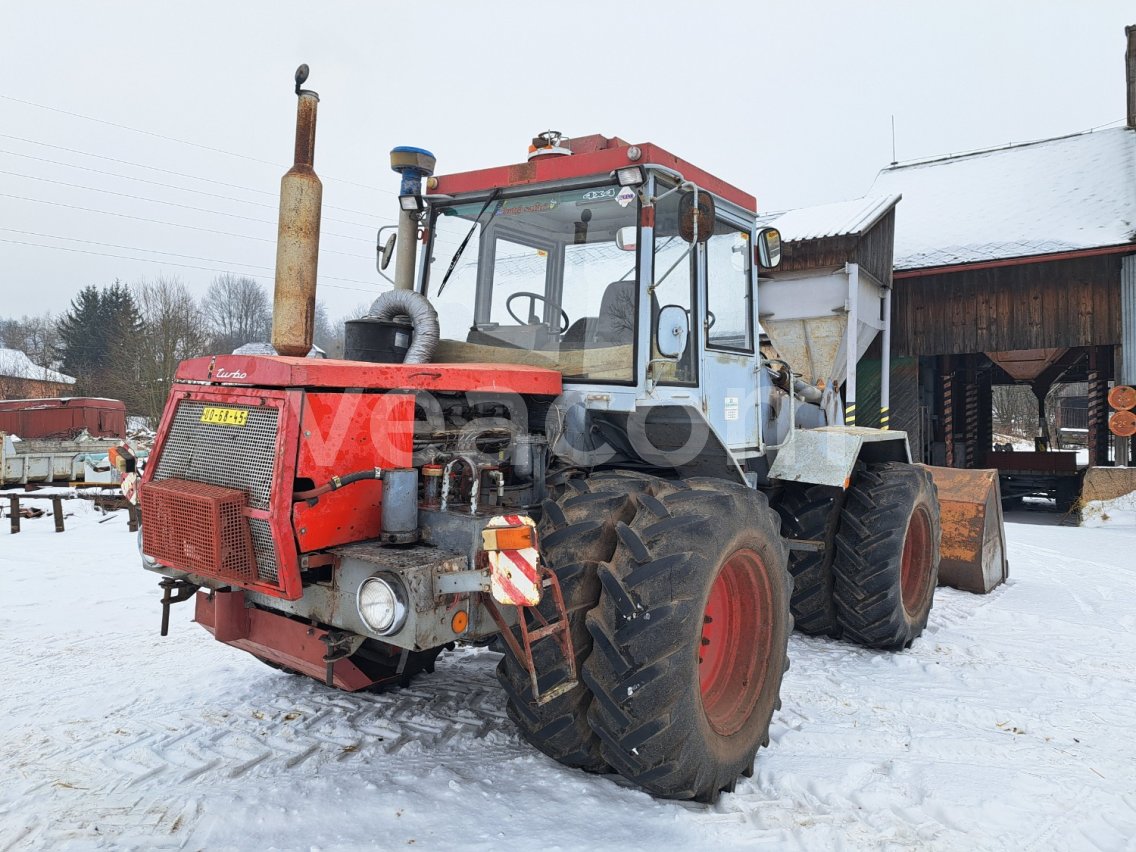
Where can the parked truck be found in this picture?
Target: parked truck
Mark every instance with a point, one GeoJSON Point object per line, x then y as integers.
{"type": "Point", "coordinates": [558, 435]}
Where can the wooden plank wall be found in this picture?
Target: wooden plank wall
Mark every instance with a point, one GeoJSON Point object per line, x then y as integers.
{"type": "Point", "coordinates": [1032, 306]}
{"type": "Point", "coordinates": [877, 248]}
{"type": "Point", "coordinates": [873, 251]}
{"type": "Point", "coordinates": [816, 254]}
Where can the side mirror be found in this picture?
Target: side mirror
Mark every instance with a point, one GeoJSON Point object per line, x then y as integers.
{"type": "Point", "coordinates": [769, 248]}
{"type": "Point", "coordinates": [689, 213]}
{"type": "Point", "coordinates": [384, 251]}
{"type": "Point", "coordinates": [626, 238]}
{"type": "Point", "coordinates": [672, 331]}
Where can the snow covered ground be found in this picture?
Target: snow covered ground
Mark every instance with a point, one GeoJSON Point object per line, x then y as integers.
{"type": "Point", "coordinates": [1010, 725]}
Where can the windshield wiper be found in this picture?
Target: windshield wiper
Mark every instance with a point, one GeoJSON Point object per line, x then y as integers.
{"type": "Point", "coordinates": [659, 249]}
{"type": "Point", "coordinates": [457, 254]}
{"type": "Point", "coordinates": [674, 265]}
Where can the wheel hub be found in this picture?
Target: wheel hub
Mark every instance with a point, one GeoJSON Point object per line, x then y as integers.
{"type": "Point", "coordinates": [916, 561]}
{"type": "Point", "coordinates": [737, 634]}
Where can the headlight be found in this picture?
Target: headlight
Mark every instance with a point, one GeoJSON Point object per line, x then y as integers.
{"type": "Point", "coordinates": [382, 605]}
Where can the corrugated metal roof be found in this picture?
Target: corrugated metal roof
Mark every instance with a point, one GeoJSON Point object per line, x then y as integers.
{"type": "Point", "coordinates": [17, 365]}
{"type": "Point", "coordinates": [1056, 195]}
{"type": "Point", "coordinates": [841, 219]}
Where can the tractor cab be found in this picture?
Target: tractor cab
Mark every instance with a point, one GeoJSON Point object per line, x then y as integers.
{"type": "Point", "coordinates": [617, 265]}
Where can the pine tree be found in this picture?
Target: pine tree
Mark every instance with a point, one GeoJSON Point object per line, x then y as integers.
{"type": "Point", "coordinates": [98, 341]}
{"type": "Point", "coordinates": [81, 335]}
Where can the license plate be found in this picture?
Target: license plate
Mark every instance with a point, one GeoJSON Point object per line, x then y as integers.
{"type": "Point", "coordinates": [224, 416]}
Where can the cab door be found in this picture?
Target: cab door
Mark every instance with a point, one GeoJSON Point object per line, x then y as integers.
{"type": "Point", "coordinates": [729, 377]}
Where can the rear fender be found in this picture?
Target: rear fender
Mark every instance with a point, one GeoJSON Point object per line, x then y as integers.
{"type": "Point", "coordinates": [662, 437]}
{"type": "Point", "coordinates": [827, 456]}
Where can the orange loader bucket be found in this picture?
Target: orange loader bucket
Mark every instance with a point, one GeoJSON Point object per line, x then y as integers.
{"type": "Point", "coordinates": [973, 545]}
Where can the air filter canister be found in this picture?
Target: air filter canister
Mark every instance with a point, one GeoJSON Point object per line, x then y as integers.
{"type": "Point", "coordinates": [399, 518]}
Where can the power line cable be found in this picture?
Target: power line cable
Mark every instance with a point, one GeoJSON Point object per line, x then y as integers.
{"type": "Point", "coordinates": [172, 186]}
{"type": "Point", "coordinates": [164, 171]}
{"type": "Point", "coordinates": [182, 175]}
{"type": "Point", "coordinates": [135, 248]}
{"type": "Point", "coordinates": [178, 141]}
{"type": "Point", "coordinates": [176, 204]}
{"type": "Point", "coordinates": [162, 222]}
{"type": "Point", "coordinates": [183, 265]}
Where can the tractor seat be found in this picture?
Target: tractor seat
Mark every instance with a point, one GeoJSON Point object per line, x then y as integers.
{"type": "Point", "coordinates": [616, 322]}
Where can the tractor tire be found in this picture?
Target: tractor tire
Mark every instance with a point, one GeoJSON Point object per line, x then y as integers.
{"type": "Point", "coordinates": [812, 512]}
{"type": "Point", "coordinates": [887, 556]}
{"type": "Point", "coordinates": [577, 534]}
{"type": "Point", "coordinates": [690, 640]}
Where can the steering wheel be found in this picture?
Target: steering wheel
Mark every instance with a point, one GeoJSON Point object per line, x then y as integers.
{"type": "Point", "coordinates": [533, 318]}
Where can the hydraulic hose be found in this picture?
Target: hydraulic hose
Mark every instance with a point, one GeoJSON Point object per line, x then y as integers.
{"type": "Point", "coordinates": [337, 482]}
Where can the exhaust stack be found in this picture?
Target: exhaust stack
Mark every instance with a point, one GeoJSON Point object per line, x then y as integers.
{"type": "Point", "coordinates": [297, 241]}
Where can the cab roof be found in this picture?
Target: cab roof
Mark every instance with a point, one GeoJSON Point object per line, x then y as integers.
{"type": "Point", "coordinates": [591, 155]}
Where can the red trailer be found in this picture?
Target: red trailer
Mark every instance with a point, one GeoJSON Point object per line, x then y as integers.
{"type": "Point", "coordinates": [40, 419]}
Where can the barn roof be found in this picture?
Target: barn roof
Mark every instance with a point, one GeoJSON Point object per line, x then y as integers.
{"type": "Point", "coordinates": [1057, 195]}
{"type": "Point", "coordinates": [841, 219]}
{"type": "Point", "coordinates": [17, 365]}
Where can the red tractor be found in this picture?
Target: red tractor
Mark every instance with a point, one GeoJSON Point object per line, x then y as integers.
{"type": "Point", "coordinates": [557, 434]}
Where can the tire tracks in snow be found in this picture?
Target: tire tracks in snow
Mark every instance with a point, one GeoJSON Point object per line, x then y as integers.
{"type": "Point", "coordinates": [959, 607]}
{"type": "Point", "coordinates": [100, 775]}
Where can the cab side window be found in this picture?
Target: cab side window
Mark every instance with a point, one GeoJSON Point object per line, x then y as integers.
{"type": "Point", "coordinates": [674, 285]}
{"type": "Point", "coordinates": [729, 316]}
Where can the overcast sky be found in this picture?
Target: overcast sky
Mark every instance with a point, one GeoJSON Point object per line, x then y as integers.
{"type": "Point", "coordinates": [792, 102]}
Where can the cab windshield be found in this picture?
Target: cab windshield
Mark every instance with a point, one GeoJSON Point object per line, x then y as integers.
{"type": "Point", "coordinates": [541, 281]}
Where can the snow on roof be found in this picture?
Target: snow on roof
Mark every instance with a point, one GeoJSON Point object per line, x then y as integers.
{"type": "Point", "coordinates": [17, 365]}
{"type": "Point", "coordinates": [268, 349]}
{"type": "Point", "coordinates": [844, 218]}
{"type": "Point", "coordinates": [1056, 195]}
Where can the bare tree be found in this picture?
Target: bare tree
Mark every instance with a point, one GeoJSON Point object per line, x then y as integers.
{"type": "Point", "coordinates": [326, 336]}
{"type": "Point", "coordinates": [238, 311]}
{"type": "Point", "coordinates": [173, 330]}
{"type": "Point", "coordinates": [1015, 410]}
{"type": "Point", "coordinates": [36, 337]}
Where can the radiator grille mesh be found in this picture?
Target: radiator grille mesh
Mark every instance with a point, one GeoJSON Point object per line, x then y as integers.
{"type": "Point", "coordinates": [240, 457]}
{"type": "Point", "coordinates": [237, 457]}
{"type": "Point", "coordinates": [265, 552]}
{"type": "Point", "coordinates": [202, 529]}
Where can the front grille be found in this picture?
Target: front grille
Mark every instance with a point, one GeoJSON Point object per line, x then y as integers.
{"type": "Point", "coordinates": [237, 457]}
{"type": "Point", "coordinates": [202, 529]}
{"type": "Point", "coordinates": [240, 457]}
{"type": "Point", "coordinates": [265, 551]}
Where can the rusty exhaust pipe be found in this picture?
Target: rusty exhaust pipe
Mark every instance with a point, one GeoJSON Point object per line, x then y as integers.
{"type": "Point", "coordinates": [297, 240]}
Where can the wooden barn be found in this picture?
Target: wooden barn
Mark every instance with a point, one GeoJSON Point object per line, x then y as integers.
{"type": "Point", "coordinates": [1012, 266]}
{"type": "Point", "coordinates": [1016, 265]}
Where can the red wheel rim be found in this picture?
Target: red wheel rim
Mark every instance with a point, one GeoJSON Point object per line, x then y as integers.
{"type": "Point", "coordinates": [916, 562]}
{"type": "Point", "coordinates": [737, 636]}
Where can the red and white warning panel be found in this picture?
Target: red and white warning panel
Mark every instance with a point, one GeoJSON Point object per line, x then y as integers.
{"type": "Point", "coordinates": [514, 562]}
